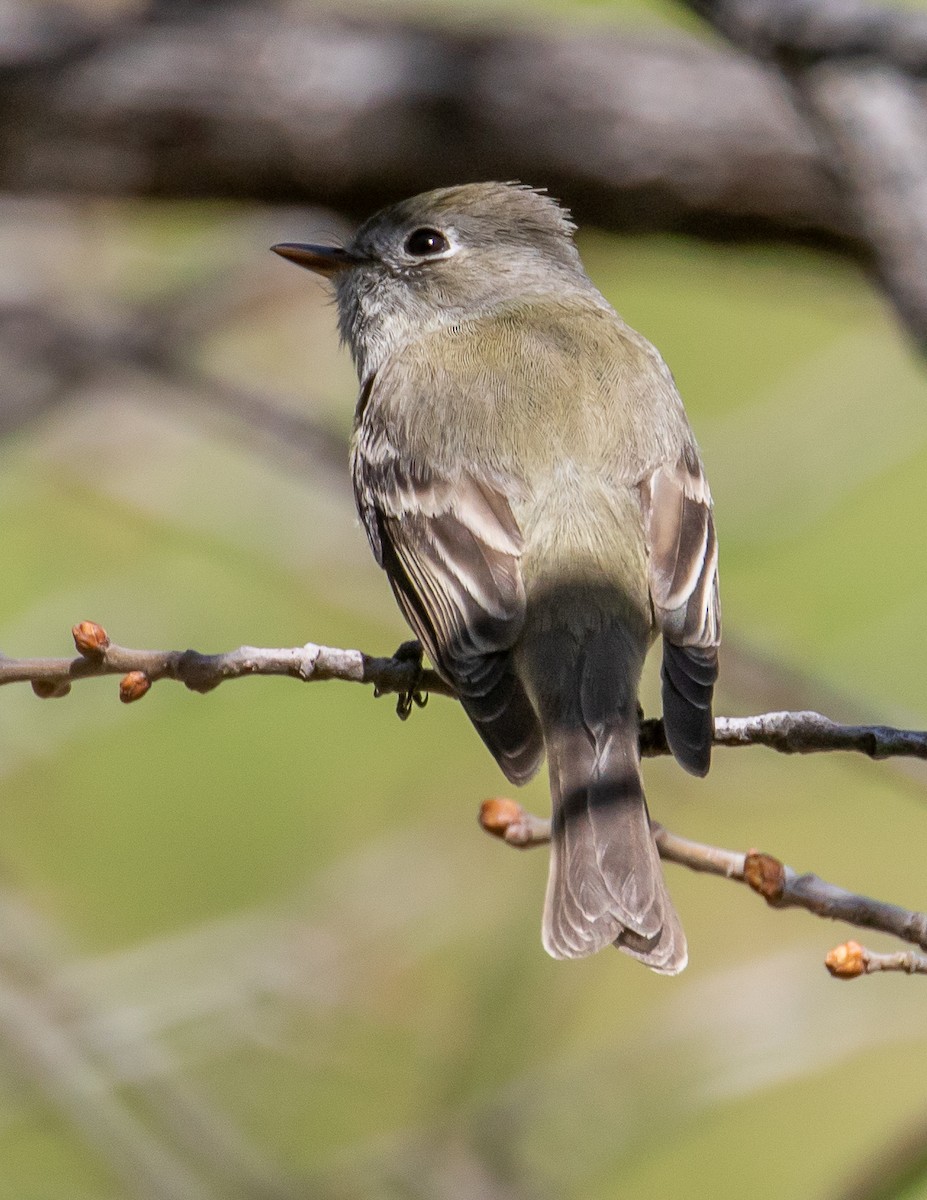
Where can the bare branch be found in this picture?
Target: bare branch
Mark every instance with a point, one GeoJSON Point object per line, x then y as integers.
{"type": "Point", "coordinates": [778, 884]}
{"type": "Point", "coordinates": [875, 120]}
{"type": "Point", "coordinates": [97, 655]}
{"type": "Point", "coordinates": [803, 32]}
{"type": "Point", "coordinates": [223, 100]}
{"type": "Point", "coordinates": [402, 673]}
{"type": "Point", "coordinates": [782, 887]}
{"type": "Point", "coordinates": [508, 820]}
{"type": "Point", "coordinates": [799, 733]}
{"type": "Point", "coordinates": [809, 732]}
{"type": "Point", "coordinates": [856, 71]}
{"type": "Point", "coordinates": [710, 860]}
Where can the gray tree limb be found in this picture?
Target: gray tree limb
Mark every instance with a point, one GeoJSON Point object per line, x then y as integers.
{"type": "Point", "coordinates": [223, 100]}
{"type": "Point", "coordinates": [807, 31]}
{"type": "Point", "coordinates": [857, 70]}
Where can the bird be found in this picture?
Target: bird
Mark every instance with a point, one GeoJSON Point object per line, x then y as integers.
{"type": "Point", "coordinates": [527, 478]}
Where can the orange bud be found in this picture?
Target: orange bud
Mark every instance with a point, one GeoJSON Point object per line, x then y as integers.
{"type": "Point", "coordinates": [133, 686]}
{"type": "Point", "coordinates": [50, 689]}
{"type": "Point", "coordinates": [847, 961]}
{"type": "Point", "coordinates": [498, 813]}
{"type": "Point", "coordinates": [90, 639]}
{"type": "Point", "coordinates": [765, 875]}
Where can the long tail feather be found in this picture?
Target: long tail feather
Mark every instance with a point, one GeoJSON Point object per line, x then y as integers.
{"type": "Point", "coordinates": [605, 884]}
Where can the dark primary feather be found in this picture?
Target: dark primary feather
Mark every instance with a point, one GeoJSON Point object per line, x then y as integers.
{"type": "Point", "coordinates": [684, 590]}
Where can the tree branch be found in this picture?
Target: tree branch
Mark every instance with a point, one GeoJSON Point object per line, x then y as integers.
{"type": "Point", "coordinates": [857, 72]}
{"type": "Point", "coordinates": [874, 119]}
{"type": "Point", "coordinates": [808, 732]}
{"type": "Point", "coordinates": [807, 33]}
{"type": "Point", "coordinates": [778, 884]}
{"type": "Point", "coordinates": [47, 355]}
{"type": "Point", "coordinates": [402, 673]}
{"type": "Point", "coordinates": [51, 678]}
{"type": "Point", "coordinates": [258, 103]}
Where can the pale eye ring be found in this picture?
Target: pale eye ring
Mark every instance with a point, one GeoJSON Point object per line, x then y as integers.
{"type": "Point", "coordinates": [426, 243]}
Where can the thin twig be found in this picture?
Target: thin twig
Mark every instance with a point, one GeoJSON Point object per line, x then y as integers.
{"type": "Point", "coordinates": [797, 733]}
{"type": "Point", "coordinates": [52, 677]}
{"type": "Point", "coordinates": [778, 884]}
{"type": "Point", "coordinates": [850, 960]}
{"type": "Point", "coordinates": [807, 732]}
{"type": "Point", "coordinates": [402, 673]}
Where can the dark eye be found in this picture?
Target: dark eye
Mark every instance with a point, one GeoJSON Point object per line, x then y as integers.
{"type": "Point", "coordinates": [423, 242]}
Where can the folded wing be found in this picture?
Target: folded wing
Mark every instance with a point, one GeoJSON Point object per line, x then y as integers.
{"type": "Point", "coordinates": [684, 591]}
{"type": "Point", "coordinates": [452, 550]}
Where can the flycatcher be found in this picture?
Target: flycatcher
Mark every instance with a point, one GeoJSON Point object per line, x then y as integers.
{"type": "Point", "coordinates": [529, 482]}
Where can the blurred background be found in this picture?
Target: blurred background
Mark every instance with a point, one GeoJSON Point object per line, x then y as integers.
{"type": "Point", "coordinates": [254, 944]}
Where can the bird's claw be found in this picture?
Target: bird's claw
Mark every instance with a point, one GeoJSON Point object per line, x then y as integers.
{"type": "Point", "coordinates": [408, 700]}
{"type": "Point", "coordinates": [414, 696]}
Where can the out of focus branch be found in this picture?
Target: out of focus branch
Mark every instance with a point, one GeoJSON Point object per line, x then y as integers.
{"type": "Point", "coordinates": [50, 1060]}
{"type": "Point", "coordinates": [857, 71]}
{"type": "Point", "coordinates": [46, 356]}
{"type": "Point", "coordinates": [231, 100]}
{"type": "Point", "coordinates": [69, 1048]}
{"type": "Point", "coordinates": [897, 1170]}
{"type": "Point", "coordinates": [804, 32]}
{"type": "Point", "coordinates": [876, 124]}
{"type": "Point", "coordinates": [821, 136]}
{"type": "Point", "coordinates": [778, 884]}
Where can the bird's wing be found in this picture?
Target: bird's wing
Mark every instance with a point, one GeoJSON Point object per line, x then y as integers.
{"type": "Point", "coordinates": [451, 548]}
{"type": "Point", "coordinates": [684, 591]}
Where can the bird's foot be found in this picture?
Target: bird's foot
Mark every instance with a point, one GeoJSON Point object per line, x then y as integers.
{"type": "Point", "coordinates": [413, 696]}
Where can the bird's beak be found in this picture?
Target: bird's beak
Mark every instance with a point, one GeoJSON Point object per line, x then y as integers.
{"type": "Point", "coordinates": [324, 260]}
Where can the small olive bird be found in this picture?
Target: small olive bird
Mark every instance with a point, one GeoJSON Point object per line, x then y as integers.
{"type": "Point", "coordinates": [529, 482]}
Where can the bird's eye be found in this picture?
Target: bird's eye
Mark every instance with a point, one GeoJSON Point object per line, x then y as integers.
{"type": "Point", "coordinates": [422, 243]}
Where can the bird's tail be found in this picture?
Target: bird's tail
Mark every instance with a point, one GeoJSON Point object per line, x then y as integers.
{"type": "Point", "coordinates": [605, 882]}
